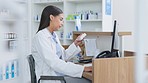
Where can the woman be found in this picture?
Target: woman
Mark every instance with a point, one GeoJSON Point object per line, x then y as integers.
{"type": "Point", "coordinates": [50, 57]}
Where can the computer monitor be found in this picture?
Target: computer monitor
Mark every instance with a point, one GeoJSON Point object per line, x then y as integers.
{"type": "Point", "coordinates": [106, 53]}
{"type": "Point", "coordinates": [112, 52]}
{"type": "Point", "coordinates": [113, 36]}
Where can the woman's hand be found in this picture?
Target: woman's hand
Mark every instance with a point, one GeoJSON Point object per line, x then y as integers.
{"type": "Point", "coordinates": [77, 42]}
{"type": "Point", "coordinates": [88, 69]}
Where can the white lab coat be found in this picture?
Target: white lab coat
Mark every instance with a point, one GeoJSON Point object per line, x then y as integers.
{"type": "Point", "coordinates": [46, 60]}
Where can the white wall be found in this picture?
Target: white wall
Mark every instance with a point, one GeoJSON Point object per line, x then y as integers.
{"type": "Point", "coordinates": [141, 25]}
{"type": "Point", "coordinates": [123, 12]}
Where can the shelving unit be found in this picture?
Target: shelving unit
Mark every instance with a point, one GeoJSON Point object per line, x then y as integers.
{"type": "Point", "coordinates": [9, 20]}
{"type": "Point", "coordinates": [14, 39]}
{"type": "Point", "coordinates": [92, 13]}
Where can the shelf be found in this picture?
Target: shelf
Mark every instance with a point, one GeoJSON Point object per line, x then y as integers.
{"type": "Point", "coordinates": [100, 33]}
{"type": "Point", "coordinates": [92, 33]}
{"type": "Point", "coordinates": [83, 1]}
{"type": "Point", "coordinates": [21, 1]}
{"type": "Point", "coordinates": [124, 33]}
{"type": "Point", "coordinates": [12, 20]}
{"type": "Point", "coordinates": [10, 39]}
{"type": "Point", "coordinates": [36, 21]}
{"type": "Point", "coordinates": [8, 20]}
{"type": "Point", "coordinates": [92, 20]}
{"type": "Point", "coordinates": [48, 2]}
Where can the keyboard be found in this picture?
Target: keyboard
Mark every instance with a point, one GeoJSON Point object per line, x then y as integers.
{"type": "Point", "coordinates": [85, 61]}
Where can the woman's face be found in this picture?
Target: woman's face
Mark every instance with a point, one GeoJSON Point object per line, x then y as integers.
{"type": "Point", "coordinates": [56, 22]}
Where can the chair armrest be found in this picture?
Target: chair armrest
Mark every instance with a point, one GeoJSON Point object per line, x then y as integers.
{"type": "Point", "coordinates": [61, 78]}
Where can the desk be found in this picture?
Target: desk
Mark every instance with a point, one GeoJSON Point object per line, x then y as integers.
{"type": "Point", "coordinates": [120, 35]}
{"type": "Point", "coordinates": [88, 75]}
{"type": "Point", "coordinates": [112, 70]}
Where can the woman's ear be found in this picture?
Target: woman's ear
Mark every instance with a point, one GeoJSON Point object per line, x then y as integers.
{"type": "Point", "coordinates": [51, 17]}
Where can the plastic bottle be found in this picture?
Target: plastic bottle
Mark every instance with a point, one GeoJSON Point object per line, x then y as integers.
{"type": "Point", "coordinates": [77, 23]}
{"type": "Point", "coordinates": [1, 74]}
{"type": "Point", "coordinates": [7, 72]}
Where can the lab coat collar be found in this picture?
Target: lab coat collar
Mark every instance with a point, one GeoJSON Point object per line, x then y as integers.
{"type": "Point", "coordinates": [48, 33]}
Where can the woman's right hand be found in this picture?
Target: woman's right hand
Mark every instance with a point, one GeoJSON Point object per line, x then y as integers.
{"type": "Point", "coordinates": [77, 42]}
{"type": "Point", "coordinates": [88, 69]}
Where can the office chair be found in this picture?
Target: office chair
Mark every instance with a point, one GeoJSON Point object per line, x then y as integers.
{"type": "Point", "coordinates": [33, 74]}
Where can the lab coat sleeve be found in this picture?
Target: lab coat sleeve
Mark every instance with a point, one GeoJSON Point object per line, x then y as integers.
{"type": "Point", "coordinates": [67, 68]}
{"type": "Point", "coordinates": [71, 51]}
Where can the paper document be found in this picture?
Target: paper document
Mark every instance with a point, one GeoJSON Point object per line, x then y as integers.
{"type": "Point", "coordinates": [90, 47]}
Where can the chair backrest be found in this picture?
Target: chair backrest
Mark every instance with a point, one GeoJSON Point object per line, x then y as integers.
{"type": "Point", "coordinates": [32, 68]}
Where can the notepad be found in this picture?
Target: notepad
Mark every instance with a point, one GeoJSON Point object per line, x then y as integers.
{"type": "Point", "coordinates": [91, 47]}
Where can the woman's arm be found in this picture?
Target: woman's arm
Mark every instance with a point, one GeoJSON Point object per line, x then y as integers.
{"type": "Point", "coordinates": [46, 51]}
{"type": "Point", "coordinates": [74, 48]}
